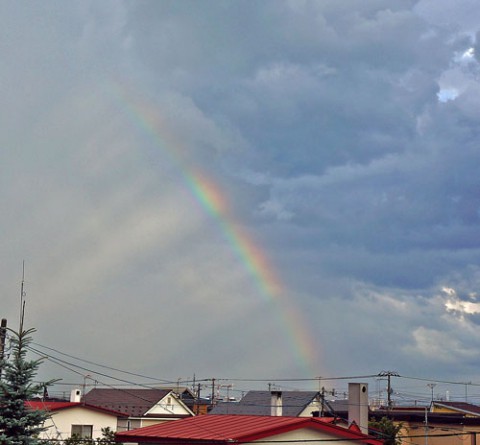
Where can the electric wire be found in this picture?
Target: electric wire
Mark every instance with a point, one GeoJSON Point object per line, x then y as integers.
{"type": "Point", "coordinates": [99, 365]}
{"type": "Point", "coordinates": [68, 365]}
{"type": "Point", "coordinates": [64, 363]}
{"type": "Point", "coordinates": [118, 389]}
{"type": "Point", "coordinates": [438, 381]}
{"type": "Point", "coordinates": [58, 360]}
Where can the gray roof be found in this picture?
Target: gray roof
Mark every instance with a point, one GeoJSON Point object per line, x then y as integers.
{"type": "Point", "coordinates": [131, 402]}
{"type": "Point", "coordinates": [258, 403]}
{"type": "Point", "coordinates": [339, 405]}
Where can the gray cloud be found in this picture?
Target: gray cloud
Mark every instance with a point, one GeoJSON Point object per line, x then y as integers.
{"type": "Point", "coordinates": [340, 137]}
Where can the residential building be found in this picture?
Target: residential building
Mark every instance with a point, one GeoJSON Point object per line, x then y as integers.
{"type": "Point", "coordinates": [435, 425]}
{"type": "Point", "coordinates": [464, 408]}
{"type": "Point", "coordinates": [302, 404]}
{"type": "Point", "coordinates": [140, 407]}
{"type": "Point", "coordinates": [225, 429]}
{"type": "Point", "coordinates": [259, 403]}
{"type": "Point", "coordinates": [75, 418]}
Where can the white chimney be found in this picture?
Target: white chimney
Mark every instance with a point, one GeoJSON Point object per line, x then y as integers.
{"type": "Point", "coordinates": [76, 395]}
{"type": "Point", "coordinates": [358, 405]}
{"type": "Point", "coordinates": [276, 403]}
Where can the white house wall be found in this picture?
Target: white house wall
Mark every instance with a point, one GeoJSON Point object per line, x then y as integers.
{"type": "Point", "coordinates": [313, 406]}
{"type": "Point", "coordinates": [60, 424]}
{"type": "Point", "coordinates": [167, 406]}
{"type": "Point", "coordinates": [298, 437]}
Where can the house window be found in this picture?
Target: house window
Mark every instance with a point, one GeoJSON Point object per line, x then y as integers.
{"type": "Point", "coordinates": [83, 431]}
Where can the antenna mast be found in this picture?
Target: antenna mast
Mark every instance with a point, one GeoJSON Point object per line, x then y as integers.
{"type": "Point", "coordinates": [22, 298]}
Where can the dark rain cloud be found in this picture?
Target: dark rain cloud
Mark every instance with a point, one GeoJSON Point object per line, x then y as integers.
{"type": "Point", "coordinates": [342, 136]}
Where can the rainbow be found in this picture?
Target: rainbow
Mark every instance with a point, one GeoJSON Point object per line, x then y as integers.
{"type": "Point", "coordinates": [213, 201]}
{"type": "Point", "coordinates": [210, 198]}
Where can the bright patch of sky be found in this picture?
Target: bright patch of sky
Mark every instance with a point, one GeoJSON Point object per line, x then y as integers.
{"type": "Point", "coordinates": [467, 56]}
{"type": "Point", "coordinates": [445, 95]}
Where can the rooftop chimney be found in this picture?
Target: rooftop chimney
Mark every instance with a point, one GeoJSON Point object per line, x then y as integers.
{"type": "Point", "coordinates": [76, 395]}
{"type": "Point", "coordinates": [276, 404]}
{"type": "Point", "coordinates": [358, 405]}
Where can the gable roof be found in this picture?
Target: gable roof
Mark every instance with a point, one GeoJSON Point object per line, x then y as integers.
{"type": "Point", "coordinates": [59, 406]}
{"type": "Point", "coordinates": [463, 407]}
{"type": "Point", "coordinates": [130, 402]}
{"type": "Point", "coordinates": [258, 403]}
{"type": "Point", "coordinates": [184, 392]}
{"type": "Point", "coordinates": [227, 428]}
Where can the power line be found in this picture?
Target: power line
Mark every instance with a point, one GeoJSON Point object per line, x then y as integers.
{"type": "Point", "coordinates": [64, 362]}
{"type": "Point", "coordinates": [69, 364]}
{"type": "Point", "coordinates": [100, 365]}
{"type": "Point", "coordinates": [438, 381]}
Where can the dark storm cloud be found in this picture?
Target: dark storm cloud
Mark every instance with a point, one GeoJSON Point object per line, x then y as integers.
{"type": "Point", "coordinates": [341, 134]}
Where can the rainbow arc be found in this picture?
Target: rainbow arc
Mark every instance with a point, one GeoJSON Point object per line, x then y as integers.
{"type": "Point", "coordinates": [213, 201]}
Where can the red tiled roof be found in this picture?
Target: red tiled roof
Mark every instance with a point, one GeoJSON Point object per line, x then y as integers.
{"type": "Point", "coordinates": [50, 406]}
{"type": "Point", "coordinates": [57, 406]}
{"type": "Point", "coordinates": [227, 428]}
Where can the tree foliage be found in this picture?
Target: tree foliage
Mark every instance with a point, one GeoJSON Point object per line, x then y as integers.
{"type": "Point", "coordinates": [108, 438]}
{"type": "Point", "coordinates": [387, 430]}
{"type": "Point", "coordinates": [19, 424]}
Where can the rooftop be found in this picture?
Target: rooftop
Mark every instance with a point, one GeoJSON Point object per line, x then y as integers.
{"type": "Point", "coordinates": [131, 402]}
{"type": "Point", "coordinates": [228, 428]}
{"type": "Point", "coordinates": [58, 406]}
{"type": "Point", "coordinates": [258, 403]}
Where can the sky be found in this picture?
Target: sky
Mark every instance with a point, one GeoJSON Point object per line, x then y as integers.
{"type": "Point", "coordinates": [257, 190]}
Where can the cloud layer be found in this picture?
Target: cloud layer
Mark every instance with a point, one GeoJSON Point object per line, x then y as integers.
{"type": "Point", "coordinates": [339, 138]}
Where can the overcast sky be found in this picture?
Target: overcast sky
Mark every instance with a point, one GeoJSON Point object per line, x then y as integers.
{"type": "Point", "coordinates": [262, 189]}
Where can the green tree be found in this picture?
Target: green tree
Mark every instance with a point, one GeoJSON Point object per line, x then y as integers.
{"type": "Point", "coordinates": [108, 438]}
{"type": "Point", "coordinates": [387, 430]}
{"type": "Point", "coordinates": [20, 425]}
{"type": "Point", "coordinates": [75, 439]}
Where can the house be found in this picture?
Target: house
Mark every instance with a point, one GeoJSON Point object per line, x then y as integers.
{"type": "Point", "coordinates": [421, 425]}
{"type": "Point", "coordinates": [259, 403]}
{"type": "Point", "coordinates": [303, 404]}
{"type": "Point", "coordinates": [74, 418]}
{"type": "Point", "coordinates": [225, 429]}
{"type": "Point", "coordinates": [189, 398]}
{"type": "Point", "coordinates": [140, 407]}
{"type": "Point", "coordinates": [464, 408]}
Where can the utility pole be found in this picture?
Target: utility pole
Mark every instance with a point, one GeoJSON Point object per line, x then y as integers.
{"type": "Point", "coordinates": [431, 386]}
{"type": "Point", "coordinates": [466, 390]}
{"type": "Point", "coordinates": [426, 426]}
{"type": "Point", "coordinates": [212, 402]}
{"type": "Point", "coordinates": [322, 395]}
{"type": "Point", "coordinates": [389, 374]}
